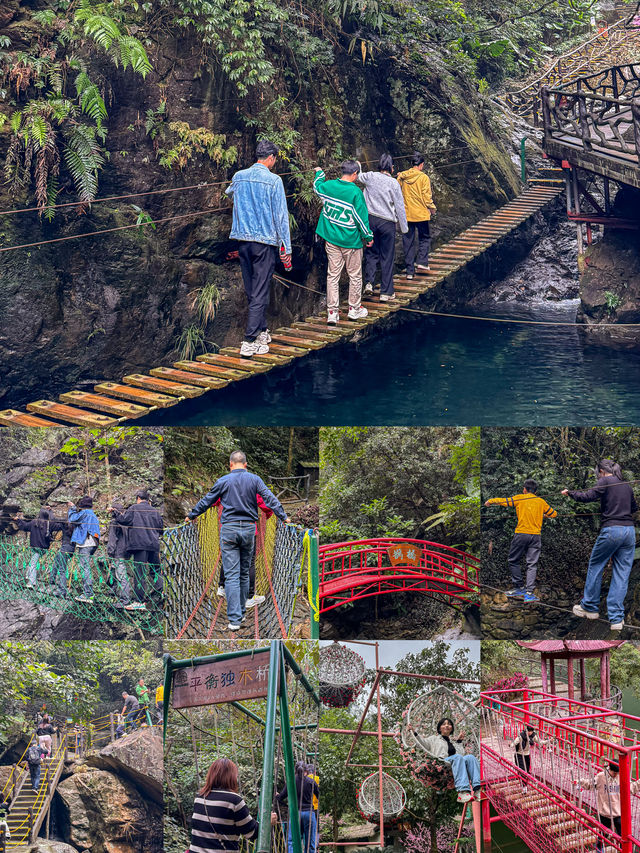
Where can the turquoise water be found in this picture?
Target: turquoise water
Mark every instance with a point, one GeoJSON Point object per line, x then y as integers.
{"type": "Point", "coordinates": [440, 371]}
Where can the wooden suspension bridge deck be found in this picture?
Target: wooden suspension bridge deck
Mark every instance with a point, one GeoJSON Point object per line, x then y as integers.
{"type": "Point", "coordinates": [138, 394]}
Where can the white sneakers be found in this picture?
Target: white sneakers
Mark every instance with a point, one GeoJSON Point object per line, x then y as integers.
{"type": "Point", "coordinates": [423, 267]}
{"type": "Point", "coordinates": [233, 627]}
{"type": "Point", "coordinates": [357, 313]}
{"type": "Point", "coordinates": [249, 348]}
{"type": "Point", "coordinates": [255, 599]}
{"type": "Point", "coordinates": [387, 297]}
{"type": "Point", "coordinates": [584, 614]}
{"type": "Point", "coordinates": [368, 288]}
{"type": "Point", "coordinates": [264, 337]}
{"type": "Point", "coordinates": [616, 626]}
{"type": "Point", "coordinates": [221, 592]}
{"type": "Point", "coordinates": [333, 316]}
{"type": "Point", "coordinates": [465, 796]}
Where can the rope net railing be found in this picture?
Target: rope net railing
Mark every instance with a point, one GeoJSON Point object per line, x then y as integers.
{"type": "Point", "coordinates": [97, 588]}
{"type": "Point", "coordinates": [553, 797]}
{"type": "Point", "coordinates": [390, 564]}
{"type": "Point", "coordinates": [192, 565]}
{"type": "Point", "coordinates": [236, 731]}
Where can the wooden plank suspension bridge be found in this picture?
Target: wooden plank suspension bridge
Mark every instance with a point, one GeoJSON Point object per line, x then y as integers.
{"type": "Point", "coordinates": [138, 394]}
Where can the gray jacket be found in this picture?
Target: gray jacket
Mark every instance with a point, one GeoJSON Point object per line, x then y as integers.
{"type": "Point", "coordinates": [383, 196]}
{"type": "Point", "coordinates": [437, 747]}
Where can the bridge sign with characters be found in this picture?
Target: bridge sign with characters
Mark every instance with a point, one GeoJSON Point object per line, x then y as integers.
{"type": "Point", "coordinates": [222, 681]}
{"type": "Point", "coordinates": [405, 554]}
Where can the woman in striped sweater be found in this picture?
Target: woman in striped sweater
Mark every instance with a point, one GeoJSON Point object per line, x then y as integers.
{"type": "Point", "coordinates": [220, 815]}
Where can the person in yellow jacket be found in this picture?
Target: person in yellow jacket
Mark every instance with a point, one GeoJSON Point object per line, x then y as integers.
{"type": "Point", "coordinates": [418, 202]}
{"type": "Point", "coordinates": [527, 540]}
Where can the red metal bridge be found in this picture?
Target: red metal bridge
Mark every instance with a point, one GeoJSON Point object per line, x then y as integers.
{"type": "Point", "coordinates": [555, 806]}
{"type": "Point", "coordinates": [350, 571]}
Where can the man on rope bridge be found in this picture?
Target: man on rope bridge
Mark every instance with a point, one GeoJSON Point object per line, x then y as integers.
{"type": "Point", "coordinates": [238, 491]}
{"type": "Point", "coordinates": [527, 539]}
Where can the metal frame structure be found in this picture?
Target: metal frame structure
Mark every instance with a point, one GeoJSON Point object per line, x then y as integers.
{"type": "Point", "coordinates": [379, 766]}
{"type": "Point", "coordinates": [544, 807]}
{"type": "Point", "coordinates": [351, 571]}
{"type": "Point", "coordinates": [277, 702]}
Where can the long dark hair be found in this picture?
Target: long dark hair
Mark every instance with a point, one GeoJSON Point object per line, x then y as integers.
{"type": "Point", "coordinates": [42, 521]}
{"type": "Point", "coordinates": [223, 775]}
{"type": "Point", "coordinates": [609, 467]}
{"type": "Point", "coordinates": [386, 163]}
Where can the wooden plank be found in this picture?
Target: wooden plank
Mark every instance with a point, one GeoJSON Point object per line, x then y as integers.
{"type": "Point", "coordinates": [152, 383]}
{"type": "Point", "coordinates": [118, 408]}
{"type": "Point", "coordinates": [287, 349]}
{"type": "Point", "coordinates": [300, 343]}
{"type": "Point", "coordinates": [241, 363]}
{"type": "Point", "coordinates": [309, 335]}
{"type": "Point", "coordinates": [175, 374]}
{"type": "Point", "coordinates": [70, 414]}
{"type": "Point", "coordinates": [11, 417]}
{"type": "Point", "coordinates": [334, 331]}
{"type": "Point", "coordinates": [222, 375]}
{"type": "Point", "coordinates": [137, 395]}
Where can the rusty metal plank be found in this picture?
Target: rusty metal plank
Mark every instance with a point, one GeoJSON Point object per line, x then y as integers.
{"type": "Point", "coordinates": [300, 343]}
{"type": "Point", "coordinates": [70, 414]}
{"type": "Point", "coordinates": [213, 373]}
{"type": "Point", "coordinates": [164, 386]}
{"type": "Point", "coordinates": [137, 395]}
{"type": "Point", "coordinates": [117, 408]}
{"type": "Point", "coordinates": [241, 363]}
{"type": "Point", "coordinates": [175, 374]}
{"type": "Point", "coordinates": [11, 417]}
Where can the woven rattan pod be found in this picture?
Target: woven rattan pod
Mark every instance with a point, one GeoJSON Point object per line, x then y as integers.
{"type": "Point", "coordinates": [393, 797]}
{"type": "Point", "coordinates": [341, 672]}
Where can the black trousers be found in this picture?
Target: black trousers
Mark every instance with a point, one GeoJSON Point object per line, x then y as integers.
{"type": "Point", "coordinates": [382, 252]}
{"type": "Point", "coordinates": [257, 262]}
{"type": "Point", "coordinates": [527, 545]}
{"type": "Point", "coordinates": [143, 561]}
{"type": "Point", "coordinates": [614, 823]}
{"type": "Point", "coordinates": [420, 233]}
{"type": "Point", "coordinates": [523, 762]}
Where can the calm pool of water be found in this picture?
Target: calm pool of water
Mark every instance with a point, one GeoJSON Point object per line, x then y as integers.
{"type": "Point", "coordinates": [436, 370]}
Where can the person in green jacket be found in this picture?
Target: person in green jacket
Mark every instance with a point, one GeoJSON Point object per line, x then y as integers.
{"type": "Point", "coordinates": [344, 225]}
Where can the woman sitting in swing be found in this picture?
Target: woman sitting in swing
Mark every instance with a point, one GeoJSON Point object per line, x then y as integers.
{"type": "Point", "coordinates": [465, 767]}
{"type": "Point", "coordinates": [220, 815]}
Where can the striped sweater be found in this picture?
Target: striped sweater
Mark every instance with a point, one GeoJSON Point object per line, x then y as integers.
{"type": "Point", "coordinates": [219, 821]}
{"type": "Point", "coordinates": [344, 220]}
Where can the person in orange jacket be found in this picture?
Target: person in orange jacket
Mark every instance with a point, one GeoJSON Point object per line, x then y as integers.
{"type": "Point", "coordinates": [419, 206]}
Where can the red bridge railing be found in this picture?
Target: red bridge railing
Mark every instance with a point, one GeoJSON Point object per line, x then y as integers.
{"type": "Point", "coordinates": [576, 741]}
{"type": "Point", "coordinates": [350, 571]}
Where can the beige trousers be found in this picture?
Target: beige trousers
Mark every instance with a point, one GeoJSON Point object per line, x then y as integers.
{"type": "Point", "coordinates": [339, 258]}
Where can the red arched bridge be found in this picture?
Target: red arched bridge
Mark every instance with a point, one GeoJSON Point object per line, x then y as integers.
{"type": "Point", "coordinates": [350, 571]}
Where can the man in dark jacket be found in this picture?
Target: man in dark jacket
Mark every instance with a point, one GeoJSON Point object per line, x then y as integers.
{"type": "Point", "coordinates": [238, 491]}
{"type": "Point", "coordinates": [145, 527]}
{"type": "Point", "coordinates": [39, 530]}
{"type": "Point", "coordinates": [117, 549]}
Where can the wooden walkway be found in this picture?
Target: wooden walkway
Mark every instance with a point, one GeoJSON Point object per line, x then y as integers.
{"type": "Point", "coordinates": [138, 394]}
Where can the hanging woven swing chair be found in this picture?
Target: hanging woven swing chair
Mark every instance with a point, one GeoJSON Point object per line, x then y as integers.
{"type": "Point", "coordinates": [341, 673]}
{"type": "Point", "coordinates": [394, 798]}
{"type": "Point", "coordinates": [419, 723]}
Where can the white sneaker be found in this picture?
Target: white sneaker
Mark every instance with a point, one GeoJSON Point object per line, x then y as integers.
{"type": "Point", "coordinates": [255, 599]}
{"type": "Point", "coordinates": [584, 614]}
{"type": "Point", "coordinates": [221, 592]}
{"type": "Point", "coordinates": [387, 297]}
{"type": "Point", "coordinates": [464, 796]}
{"type": "Point", "coordinates": [368, 288]}
{"type": "Point", "coordinates": [264, 337]}
{"type": "Point", "coordinates": [616, 626]}
{"type": "Point", "coordinates": [424, 267]}
{"type": "Point", "coordinates": [409, 275]}
{"type": "Point", "coordinates": [233, 627]}
{"type": "Point", "coordinates": [332, 317]}
{"type": "Point", "coordinates": [256, 347]}
{"type": "Point", "coordinates": [357, 313]}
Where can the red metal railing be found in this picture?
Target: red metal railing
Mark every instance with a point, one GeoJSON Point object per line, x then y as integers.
{"type": "Point", "coordinates": [554, 806]}
{"type": "Point", "coordinates": [350, 571]}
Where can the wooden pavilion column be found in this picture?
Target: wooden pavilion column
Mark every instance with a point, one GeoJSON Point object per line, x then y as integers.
{"type": "Point", "coordinates": [570, 676]}
{"type": "Point", "coordinates": [583, 680]}
{"type": "Point", "coordinates": [544, 674]}
{"type": "Point", "coordinates": [552, 675]}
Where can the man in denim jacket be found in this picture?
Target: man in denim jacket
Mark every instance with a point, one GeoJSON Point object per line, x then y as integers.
{"type": "Point", "coordinates": [86, 537]}
{"type": "Point", "coordinates": [261, 225]}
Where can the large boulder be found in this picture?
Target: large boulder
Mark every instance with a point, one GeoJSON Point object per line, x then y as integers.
{"type": "Point", "coordinates": [107, 814]}
{"type": "Point", "coordinates": [137, 756]}
{"type": "Point", "coordinates": [42, 846]}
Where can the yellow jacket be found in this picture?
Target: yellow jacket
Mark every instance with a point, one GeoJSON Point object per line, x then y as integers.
{"type": "Point", "coordinates": [530, 509]}
{"type": "Point", "coordinates": [416, 191]}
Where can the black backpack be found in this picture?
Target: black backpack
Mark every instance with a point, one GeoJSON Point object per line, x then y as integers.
{"type": "Point", "coordinates": [34, 756]}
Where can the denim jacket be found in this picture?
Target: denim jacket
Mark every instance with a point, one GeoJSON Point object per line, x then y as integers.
{"type": "Point", "coordinates": [259, 207]}
{"type": "Point", "coordinates": [86, 524]}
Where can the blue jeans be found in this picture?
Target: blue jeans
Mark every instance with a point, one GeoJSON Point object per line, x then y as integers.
{"type": "Point", "coordinates": [58, 576]}
{"type": "Point", "coordinates": [84, 561]}
{"type": "Point", "coordinates": [130, 719]}
{"type": "Point", "coordinates": [308, 831]}
{"type": "Point", "coordinates": [618, 545]}
{"type": "Point", "coordinates": [237, 544]}
{"type": "Point", "coordinates": [35, 770]}
{"type": "Point", "coordinates": [466, 768]}
{"type": "Point", "coordinates": [34, 565]}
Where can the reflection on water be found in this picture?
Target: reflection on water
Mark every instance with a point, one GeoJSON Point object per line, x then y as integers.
{"type": "Point", "coordinates": [436, 370]}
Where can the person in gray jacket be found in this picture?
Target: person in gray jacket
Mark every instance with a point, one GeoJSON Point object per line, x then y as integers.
{"type": "Point", "coordinates": [385, 204]}
{"type": "Point", "coordinates": [465, 767]}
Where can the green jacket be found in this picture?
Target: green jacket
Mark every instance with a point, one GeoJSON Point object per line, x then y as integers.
{"type": "Point", "coordinates": [142, 694]}
{"type": "Point", "coordinates": [344, 220]}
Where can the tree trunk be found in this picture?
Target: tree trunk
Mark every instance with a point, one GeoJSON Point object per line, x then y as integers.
{"type": "Point", "coordinates": [107, 475]}
{"type": "Point", "coordinates": [433, 826]}
{"type": "Point", "coordinates": [85, 449]}
{"type": "Point", "coordinates": [290, 455]}
{"type": "Point", "coordinates": [334, 815]}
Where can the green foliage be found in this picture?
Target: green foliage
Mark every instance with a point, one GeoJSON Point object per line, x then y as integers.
{"type": "Point", "coordinates": [191, 342]}
{"type": "Point", "coordinates": [143, 219]}
{"type": "Point", "coordinates": [204, 301]}
{"type": "Point", "coordinates": [612, 300]}
{"type": "Point", "coordinates": [122, 48]}
{"type": "Point", "coordinates": [185, 142]}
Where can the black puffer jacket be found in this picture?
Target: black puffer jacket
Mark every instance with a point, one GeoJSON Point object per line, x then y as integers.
{"type": "Point", "coordinates": [40, 529]}
{"type": "Point", "coordinates": [145, 526]}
